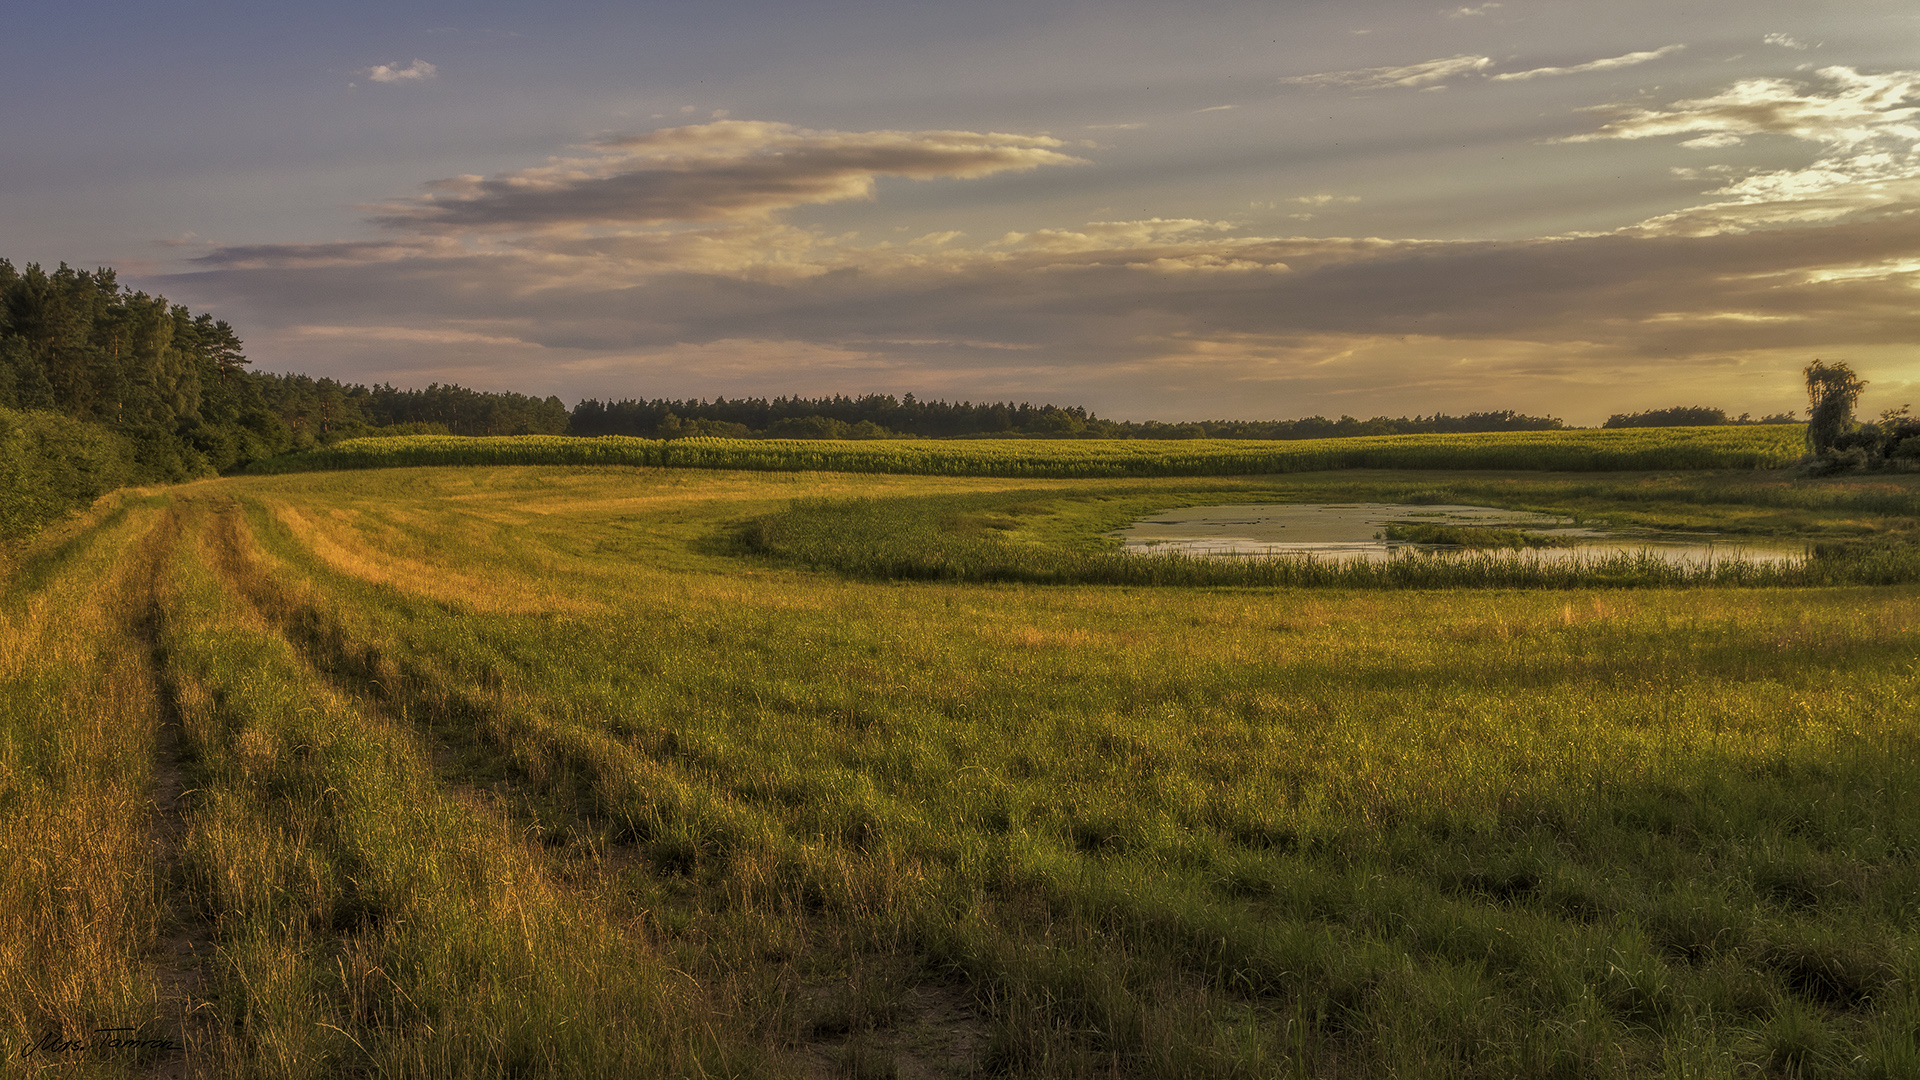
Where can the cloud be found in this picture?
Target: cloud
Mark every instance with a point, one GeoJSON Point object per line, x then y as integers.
{"type": "Point", "coordinates": [1865, 125]}
{"type": "Point", "coordinates": [1785, 41]}
{"type": "Point", "coordinates": [1469, 12]}
{"type": "Point", "coordinates": [414, 335]}
{"type": "Point", "coordinates": [728, 170]}
{"type": "Point", "coordinates": [417, 72]}
{"type": "Point", "coordinates": [1845, 108]}
{"type": "Point", "coordinates": [1112, 235]}
{"type": "Point", "coordinates": [1414, 76]}
{"type": "Point", "coordinates": [1831, 190]}
{"type": "Point", "coordinates": [1608, 64]}
{"type": "Point", "coordinates": [337, 253]}
{"type": "Point", "coordinates": [1434, 74]}
{"type": "Point", "coordinates": [1166, 317]}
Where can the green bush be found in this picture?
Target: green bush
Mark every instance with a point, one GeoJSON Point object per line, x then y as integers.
{"type": "Point", "coordinates": [50, 465]}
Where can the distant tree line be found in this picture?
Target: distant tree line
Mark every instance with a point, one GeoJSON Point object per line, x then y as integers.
{"type": "Point", "coordinates": [880, 416]}
{"type": "Point", "coordinates": [1691, 416]}
{"type": "Point", "coordinates": [1319, 427]}
{"type": "Point", "coordinates": [871, 416]}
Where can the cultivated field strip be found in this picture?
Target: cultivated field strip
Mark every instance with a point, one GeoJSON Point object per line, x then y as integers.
{"type": "Point", "coordinates": [1743, 447]}
{"type": "Point", "coordinates": [521, 771]}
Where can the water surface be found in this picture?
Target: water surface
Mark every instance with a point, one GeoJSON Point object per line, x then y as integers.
{"type": "Point", "coordinates": [1352, 530]}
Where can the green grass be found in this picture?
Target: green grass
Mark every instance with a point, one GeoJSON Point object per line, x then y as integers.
{"type": "Point", "coordinates": [1474, 537]}
{"type": "Point", "coordinates": [527, 770]}
{"type": "Point", "coordinates": [1745, 447]}
{"type": "Point", "coordinates": [1858, 535]}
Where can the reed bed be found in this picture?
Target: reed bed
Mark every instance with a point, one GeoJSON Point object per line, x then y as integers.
{"type": "Point", "coordinates": [1004, 537]}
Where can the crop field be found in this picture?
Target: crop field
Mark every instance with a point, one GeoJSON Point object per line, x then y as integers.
{"type": "Point", "coordinates": [1760, 446]}
{"type": "Point", "coordinates": [598, 770]}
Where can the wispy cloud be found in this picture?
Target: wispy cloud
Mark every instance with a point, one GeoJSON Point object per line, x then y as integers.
{"type": "Point", "coordinates": [407, 334]}
{"type": "Point", "coordinates": [1608, 64]}
{"type": "Point", "coordinates": [1415, 76]}
{"type": "Point", "coordinates": [728, 170]}
{"type": "Point", "coordinates": [1785, 41]}
{"type": "Point", "coordinates": [1433, 74]}
{"type": "Point", "coordinates": [337, 253]}
{"type": "Point", "coordinates": [1868, 126]}
{"type": "Point", "coordinates": [1469, 12]}
{"type": "Point", "coordinates": [417, 72]}
{"type": "Point", "coordinates": [1843, 108]}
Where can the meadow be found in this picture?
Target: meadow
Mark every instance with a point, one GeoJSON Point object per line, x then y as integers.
{"type": "Point", "coordinates": [594, 770]}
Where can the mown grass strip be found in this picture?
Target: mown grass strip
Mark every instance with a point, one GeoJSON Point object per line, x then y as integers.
{"type": "Point", "coordinates": [367, 921]}
{"type": "Point", "coordinates": [82, 902]}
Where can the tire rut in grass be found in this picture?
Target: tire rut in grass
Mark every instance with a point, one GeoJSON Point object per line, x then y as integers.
{"type": "Point", "coordinates": [450, 723]}
{"type": "Point", "coordinates": [934, 1028]}
{"type": "Point", "coordinates": [187, 941]}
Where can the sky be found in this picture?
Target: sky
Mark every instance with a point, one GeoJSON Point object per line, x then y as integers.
{"type": "Point", "coordinates": [1207, 210]}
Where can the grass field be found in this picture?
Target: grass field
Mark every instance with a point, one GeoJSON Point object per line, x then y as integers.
{"type": "Point", "coordinates": [525, 771]}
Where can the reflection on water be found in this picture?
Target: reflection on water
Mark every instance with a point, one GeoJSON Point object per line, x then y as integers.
{"type": "Point", "coordinates": [1350, 531]}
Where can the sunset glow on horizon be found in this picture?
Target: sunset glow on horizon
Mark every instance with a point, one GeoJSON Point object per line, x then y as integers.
{"type": "Point", "coordinates": [1215, 210]}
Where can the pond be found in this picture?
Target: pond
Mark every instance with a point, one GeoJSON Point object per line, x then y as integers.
{"type": "Point", "coordinates": [1356, 531]}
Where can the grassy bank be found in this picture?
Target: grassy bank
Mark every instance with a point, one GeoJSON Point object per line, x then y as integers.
{"type": "Point", "coordinates": [512, 770]}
